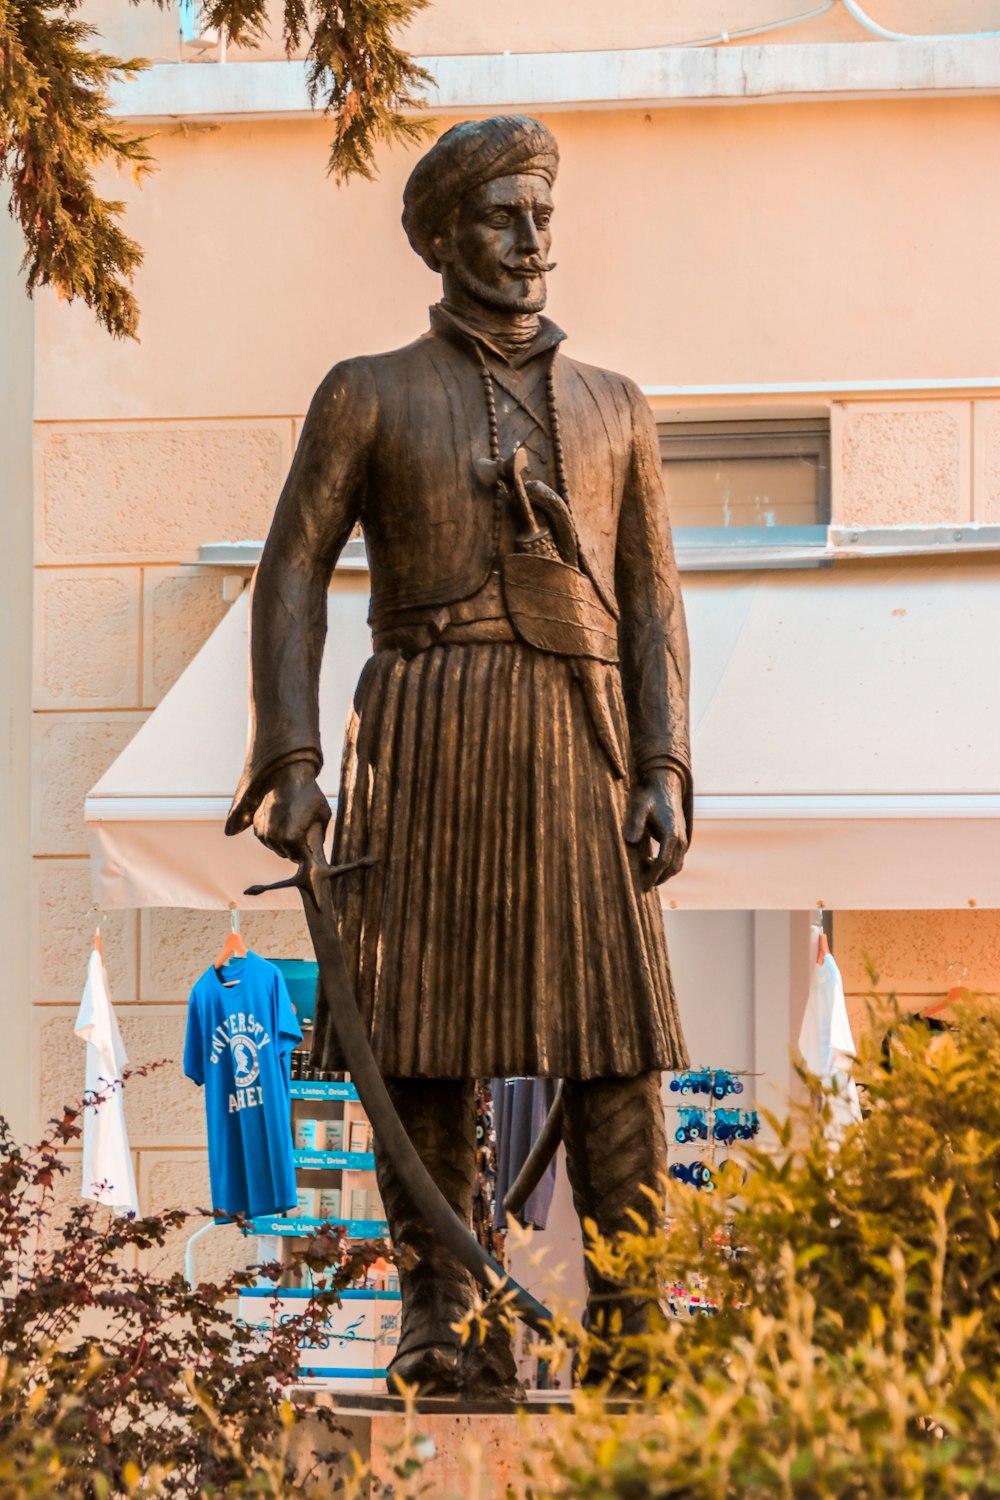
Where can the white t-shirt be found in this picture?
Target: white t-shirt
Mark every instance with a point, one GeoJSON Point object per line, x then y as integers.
{"type": "Point", "coordinates": [827, 1044]}
{"type": "Point", "coordinates": [107, 1162]}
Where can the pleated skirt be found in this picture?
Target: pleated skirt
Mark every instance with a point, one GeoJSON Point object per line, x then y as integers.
{"type": "Point", "coordinates": [503, 931]}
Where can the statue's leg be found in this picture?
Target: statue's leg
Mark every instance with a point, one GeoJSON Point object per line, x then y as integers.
{"type": "Point", "coordinates": [437, 1291]}
{"type": "Point", "coordinates": [616, 1143]}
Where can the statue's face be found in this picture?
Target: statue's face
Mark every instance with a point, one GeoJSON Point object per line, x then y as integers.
{"type": "Point", "coordinates": [497, 246]}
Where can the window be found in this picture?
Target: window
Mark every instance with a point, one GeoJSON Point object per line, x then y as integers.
{"type": "Point", "coordinates": [747, 482]}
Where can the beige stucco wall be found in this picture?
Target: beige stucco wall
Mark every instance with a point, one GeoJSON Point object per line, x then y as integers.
{"type": "Point", "coordinates": [746, 244]}
{"type": "Point", "coordinates": [117, 616]}
{"type": "Point", "coordinates": [449, 27]}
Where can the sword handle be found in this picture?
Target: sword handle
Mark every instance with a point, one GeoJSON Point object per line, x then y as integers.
{"type": "Point", "coordinates": [314, 870]}
{"type": "Point", "coordinates": [518, 468]}
{"type": "Point", "coordinates": [315, 850]}
{"type": "Point", "coordinates": [314, 867]}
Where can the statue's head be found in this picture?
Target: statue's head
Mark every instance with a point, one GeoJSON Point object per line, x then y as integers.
{"type": "Point", "coordinates": [478, 208]}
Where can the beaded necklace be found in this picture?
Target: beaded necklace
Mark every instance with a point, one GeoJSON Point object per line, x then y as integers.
{"type": "Point", "coordinates": [555, 431]}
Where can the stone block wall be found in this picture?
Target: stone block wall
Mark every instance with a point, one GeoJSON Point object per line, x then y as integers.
{"type": "Point", "coordinates": [986, 460]}
{"type": "Point", "coordinates": [901, 462]}
{"type": "Point", "coordinates": [120, 492]}
{"type": "Point", "coordinates": [119, 610]}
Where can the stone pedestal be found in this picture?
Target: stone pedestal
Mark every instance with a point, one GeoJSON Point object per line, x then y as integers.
{"type": "Point", "coordinates": [467, 1450]}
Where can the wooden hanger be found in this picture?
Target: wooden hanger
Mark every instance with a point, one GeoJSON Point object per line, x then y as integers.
{"type": "Point", "coordinates": [957, 992]}
{"type": "Point", "coordinates": [234, 946]}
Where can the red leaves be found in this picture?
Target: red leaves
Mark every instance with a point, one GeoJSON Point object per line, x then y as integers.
{"type": "Point", "coordinates": [98, 1356]}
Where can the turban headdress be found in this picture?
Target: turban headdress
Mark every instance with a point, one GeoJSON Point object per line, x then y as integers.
{"type": "Point", "coordinates": [465, 157]}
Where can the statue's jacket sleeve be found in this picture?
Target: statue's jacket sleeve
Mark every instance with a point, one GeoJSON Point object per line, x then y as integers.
{"type": "Point", "coordinates": [319, 505]}
{"type": "Point", "coordinates": [653, 641]}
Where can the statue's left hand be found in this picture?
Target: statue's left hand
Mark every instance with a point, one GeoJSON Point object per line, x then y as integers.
{"type": "Point", "coordinates": [656, 813]}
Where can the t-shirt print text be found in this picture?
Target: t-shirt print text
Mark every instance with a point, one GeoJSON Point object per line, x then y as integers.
{"type": "Point", "coordinates": [245, 1037]}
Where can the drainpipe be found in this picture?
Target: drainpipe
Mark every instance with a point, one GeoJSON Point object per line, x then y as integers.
{"type": "Point", "coordinates": [854, 9]}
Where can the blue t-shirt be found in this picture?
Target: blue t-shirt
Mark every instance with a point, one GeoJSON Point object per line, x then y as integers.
{"type": "Point", "coordinates": [240, 1038]}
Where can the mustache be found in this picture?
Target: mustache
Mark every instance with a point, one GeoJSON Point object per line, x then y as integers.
{"type": "Point", "coordinates": [533, 267]}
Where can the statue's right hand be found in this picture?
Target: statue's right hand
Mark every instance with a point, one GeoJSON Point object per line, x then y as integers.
{"type": "Point", "coordinates": [290, 810]}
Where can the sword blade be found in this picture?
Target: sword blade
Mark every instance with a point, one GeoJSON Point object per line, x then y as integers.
{"type": "Point", "coordinates": [390, 1134]}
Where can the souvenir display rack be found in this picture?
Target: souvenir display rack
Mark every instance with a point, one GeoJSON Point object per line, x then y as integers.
{"type": "Point", "coordinates": [335, 1179]}
{"type": "Point", "coordinates": [705, 1114]}
{"type": "Point", "coordinates": [334, 1162]}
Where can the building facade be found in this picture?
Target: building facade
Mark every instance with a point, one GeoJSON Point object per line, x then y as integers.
{"type": "Point", "coordinates": [788, 238]}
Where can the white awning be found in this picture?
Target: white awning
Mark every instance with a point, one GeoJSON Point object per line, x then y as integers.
{"type": "Point", "coordinates": [846, 729]}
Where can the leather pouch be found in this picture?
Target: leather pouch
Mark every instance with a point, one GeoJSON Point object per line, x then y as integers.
{"type": "Point", "coordinates": [555, 608]}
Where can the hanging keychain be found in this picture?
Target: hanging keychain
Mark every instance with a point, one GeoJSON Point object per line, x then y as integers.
{"type": "Point", "coordinates": [693, 1127]}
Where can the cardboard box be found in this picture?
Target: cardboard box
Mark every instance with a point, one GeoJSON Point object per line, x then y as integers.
{"type": "Point", "coordinates": [388, 1311]}
{"type": "Point", "coordinates": [354, 1347]}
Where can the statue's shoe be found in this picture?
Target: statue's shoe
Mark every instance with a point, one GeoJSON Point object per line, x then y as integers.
{"type": "Point", "coordinates": [618, 1360]}
{"type": "Point", "coordinates": [435, 1369]}
{"type": "Point", "coordinates": [479, 1372]}
{"type": "Point", "coordinates": [487, 1369]}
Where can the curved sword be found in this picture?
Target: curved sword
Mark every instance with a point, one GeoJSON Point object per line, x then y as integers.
{"type": "Point", "coordinates": [312, 880]}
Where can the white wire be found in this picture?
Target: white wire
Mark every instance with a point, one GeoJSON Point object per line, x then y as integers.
{"type": "Point", "coordinates": [737, 36]}
{"type": "Point", "coordinates": [854, 9]}
{"type": "Point", "coordinates": [731, 36]}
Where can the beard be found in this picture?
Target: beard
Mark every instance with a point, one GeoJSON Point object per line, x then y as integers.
{"type": "Point", "coordinates": [503, 298]}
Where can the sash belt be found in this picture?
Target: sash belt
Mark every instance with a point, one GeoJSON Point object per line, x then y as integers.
{"type": "Point", "coordinates": [420, 635]}
{"type": "Point", "coordinates": [539, 600]}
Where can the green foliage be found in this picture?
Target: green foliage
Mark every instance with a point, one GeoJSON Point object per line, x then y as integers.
{"type": "Point", "coordinates": [57, 131]}
{"type": "Point", "coordinates": [120, 1381]}
{"type": "Point", "coordinates": [364, 81]}
{"type": "Point", "coordinates": [855, 1354]}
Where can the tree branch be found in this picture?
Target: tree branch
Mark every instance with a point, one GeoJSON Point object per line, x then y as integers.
{"type": "Point", "coordinates": [57, 131]}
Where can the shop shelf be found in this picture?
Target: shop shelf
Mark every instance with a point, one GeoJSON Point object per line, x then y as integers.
{"type": "Point", "coordinates": [299, 1228]}
{"type": "Point", "coordinates": [347, 1161]}
{"type": "Point", "coordinates": [303, 1089]}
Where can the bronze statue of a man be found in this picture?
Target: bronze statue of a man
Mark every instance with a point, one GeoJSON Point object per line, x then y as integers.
{"type": "Point", "coordinates": [518, 760]}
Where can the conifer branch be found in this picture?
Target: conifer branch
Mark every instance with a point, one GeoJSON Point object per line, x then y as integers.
{"type": "Point", "coordinates": [365, 82]}
{"type": "Point", "coordinates": [56, 127]}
